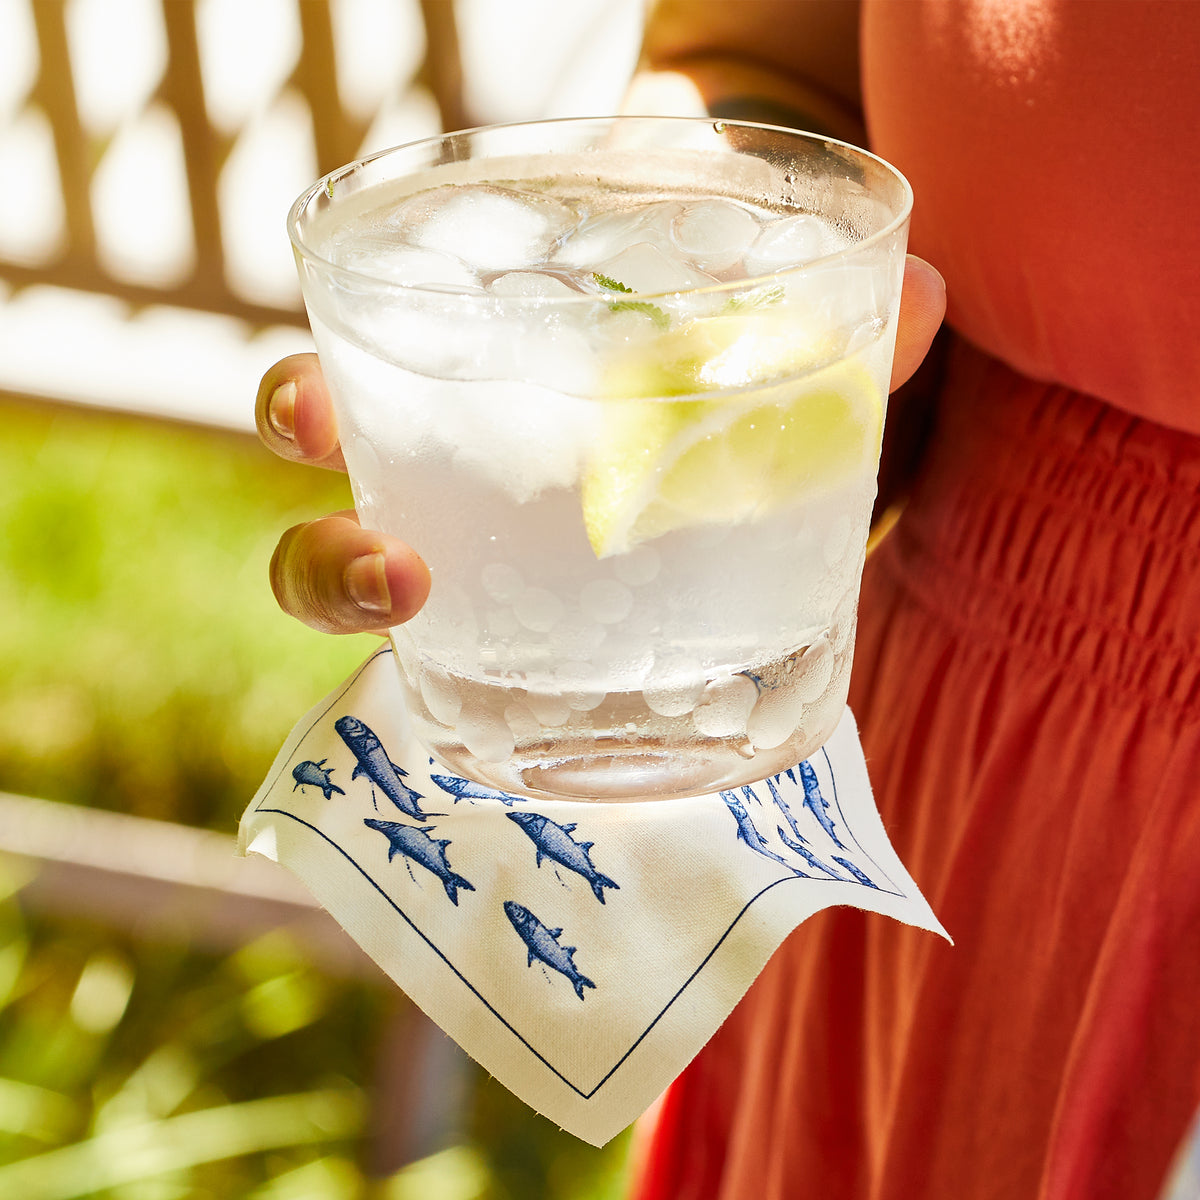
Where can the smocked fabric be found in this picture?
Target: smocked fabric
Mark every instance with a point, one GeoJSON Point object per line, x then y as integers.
{"type": "Point", "coordinates": [1027, 682]}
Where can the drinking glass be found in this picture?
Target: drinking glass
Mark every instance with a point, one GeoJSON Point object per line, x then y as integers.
{"type": "Point", "coordinates": [621, 382]}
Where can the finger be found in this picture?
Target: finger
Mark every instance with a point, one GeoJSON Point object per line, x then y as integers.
{"type": "Point", "coordinates": [922, 307]}
{"type": "Point", "coordinates": [294, 413]}
{"type": "Point", "coordinates": [340, 578]}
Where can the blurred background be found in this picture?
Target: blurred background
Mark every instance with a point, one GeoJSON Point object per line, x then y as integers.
{"type": "Point", "coordinates": [175, 1022]}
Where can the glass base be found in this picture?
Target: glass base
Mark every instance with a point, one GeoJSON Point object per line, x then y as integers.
{"type": "Point", "coordinates": [601, 770]}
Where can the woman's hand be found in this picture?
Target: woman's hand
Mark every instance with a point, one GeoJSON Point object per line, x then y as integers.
{"type": "Point", "coordinates": [340, 578]}
{"type": "Point", "coordinates": [330, 573]}
{"type": "Point", "coordinates": [922, 307]}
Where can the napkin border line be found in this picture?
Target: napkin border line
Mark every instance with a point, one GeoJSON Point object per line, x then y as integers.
{"type": "Point", "coordinates": [892, 890]}
{"type": "Point", "coordinates": [584, 1095]}
{"type": "Point", "coordinates": [459, 975]}
{"type": "Point", "coordinates": [288, 750]}
{"type": "Point", "coordinates": [292, 744]}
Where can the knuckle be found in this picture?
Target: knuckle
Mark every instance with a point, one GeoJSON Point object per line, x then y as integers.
{"type": "Point", "coordinates": [305, 584]}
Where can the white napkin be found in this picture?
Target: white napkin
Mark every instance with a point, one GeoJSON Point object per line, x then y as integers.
{"type": "Point", "coordinates": [582, 953]}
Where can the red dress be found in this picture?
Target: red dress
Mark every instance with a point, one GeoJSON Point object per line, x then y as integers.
{"type": "Point", "coordinates": [1027, 677]}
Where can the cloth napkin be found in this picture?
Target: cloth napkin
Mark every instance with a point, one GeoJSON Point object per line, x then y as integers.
{"type": "Point", "coordinates": [581, 952]}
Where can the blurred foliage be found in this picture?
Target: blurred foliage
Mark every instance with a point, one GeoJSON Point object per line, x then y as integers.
{"type": "Point", "coordinates": [142, 1071]}
{"type": "Point", "coordinates": [147, 669]}
{"type": "Point", "coordinates": [146, 666]}
{"type": "Point", "coordinates": [133, 1071]}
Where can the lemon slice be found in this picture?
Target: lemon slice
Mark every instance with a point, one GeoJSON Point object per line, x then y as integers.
{"type": "Point", "coordinates": [665, 464]}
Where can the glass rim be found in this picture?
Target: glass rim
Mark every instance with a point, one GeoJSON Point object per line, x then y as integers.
{"type": "Point", "coordinates": [295, 215]}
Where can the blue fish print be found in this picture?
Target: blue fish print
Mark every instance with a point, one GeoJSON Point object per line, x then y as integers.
{"type": "Point", "coordinates": [310, 774]}
{"type": "Point", "coordinates": [816, 803]}
{"type": "Point", "coordinates": [465, 789]}
{"type": "Point", "coordinates": [861, 876]}
{"type": "Point", "coordinates": [373, 762]}
{"type": "Point", "coordinates": [415, 843]}
{"type": "Point", "coordinates": [554, 841]}
{"type": "Point", "coordinates": [747, 832]}
{"type": "Point", "coordinates": [782, 805]}
{"type": "Point", "coordinates": [798, 847]}
{"type": "Point", "coordinates": [542, 944]}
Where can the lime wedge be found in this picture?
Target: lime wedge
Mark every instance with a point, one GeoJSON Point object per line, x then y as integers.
{"type": "Point", "coordinates": [665, 464]}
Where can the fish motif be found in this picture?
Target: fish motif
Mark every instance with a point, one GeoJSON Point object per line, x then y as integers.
{"type": "Point", "coordinates": [415, 843]}
{"type": "Point", "coordinates": [465, 789]}
{"type": "Point", "coordinates": [747, 832]}
{"type": "Point", "coordinates": [858, 874]}
{"type": "Point", "coordinates": [310, 774]}
{"type": "Point", "coordinates": [373, 762]}
{"type": "Point", "coordinates": [542, 944]}
{"type": "Point", "coordinates": [798, 847]}
{"type": "Point", "coordinates": [554, 841]}
{"type": "Point", "coordinates": [816, 803]}
{"type": "Point", "coordinates": [782, 805]}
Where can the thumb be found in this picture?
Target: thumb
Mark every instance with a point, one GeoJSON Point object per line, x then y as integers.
{"type": "Point", "coordinates": [922, 307]}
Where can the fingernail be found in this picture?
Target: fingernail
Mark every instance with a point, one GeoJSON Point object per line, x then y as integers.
{"type": "Point", "coordinates": [281, 409]}
{"type": "Point", "coordinates": [928, 266]}
{"type": "Point", "coordinates": [366, 583]}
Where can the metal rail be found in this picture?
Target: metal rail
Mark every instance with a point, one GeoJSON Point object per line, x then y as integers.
{"type": "Point", "coordinates": [165, 881]}
{"type": "Point", "coordinates": [157, 880]}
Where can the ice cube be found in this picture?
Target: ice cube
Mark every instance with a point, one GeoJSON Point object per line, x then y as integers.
{"type": "Point", "coordinates": [676, 686]}
{"type": "Point", "coordinates": [788, 243]}
{"type": "Point", "coordinates": [645, 268]}
{"type": "Point", "coordinates": [815, 669]}
{"type": "Point", "coordinates": [383, 259]}
{"type": "Point", "coordinates": [604, 236]}
{"type": "Point", "coordinates": [440, 694]}
{"type": "Point", "coordinates": [843, 298]}
{"type": "Point", "coordinates": [579, 686]}
{"type": "Point", "coordinates": [522, 439]}
{"type": "Point", "coordinates": [488, 227]}
{"type": "Point", "coordinates": [484, 732]}
{"type": "Point", "coordinates": [530, 284]}
{"type": "Point", "coordinates": [775, 717]}
{"type": "Point", "coordinates": [520, 719]}
{"type": "Point", "coordinates": [549, 708]}
{"type": "Point", "coordinates": [673, 701]}
{"type": "Point", "coordinates": [725, 707]}
{"type": "Point", "coordinates": [714, 234]}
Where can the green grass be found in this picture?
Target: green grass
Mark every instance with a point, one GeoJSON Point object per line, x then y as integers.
{"type": "Point", "coordinates": [147, 669]}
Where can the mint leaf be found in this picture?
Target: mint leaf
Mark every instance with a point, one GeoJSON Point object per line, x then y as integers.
{"type": "Point", "coordinates": [773, 295]}
{"type": "Point", "coordinates": [611, 285]}
{"type": "Point", "coordinates": [652, 311]}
